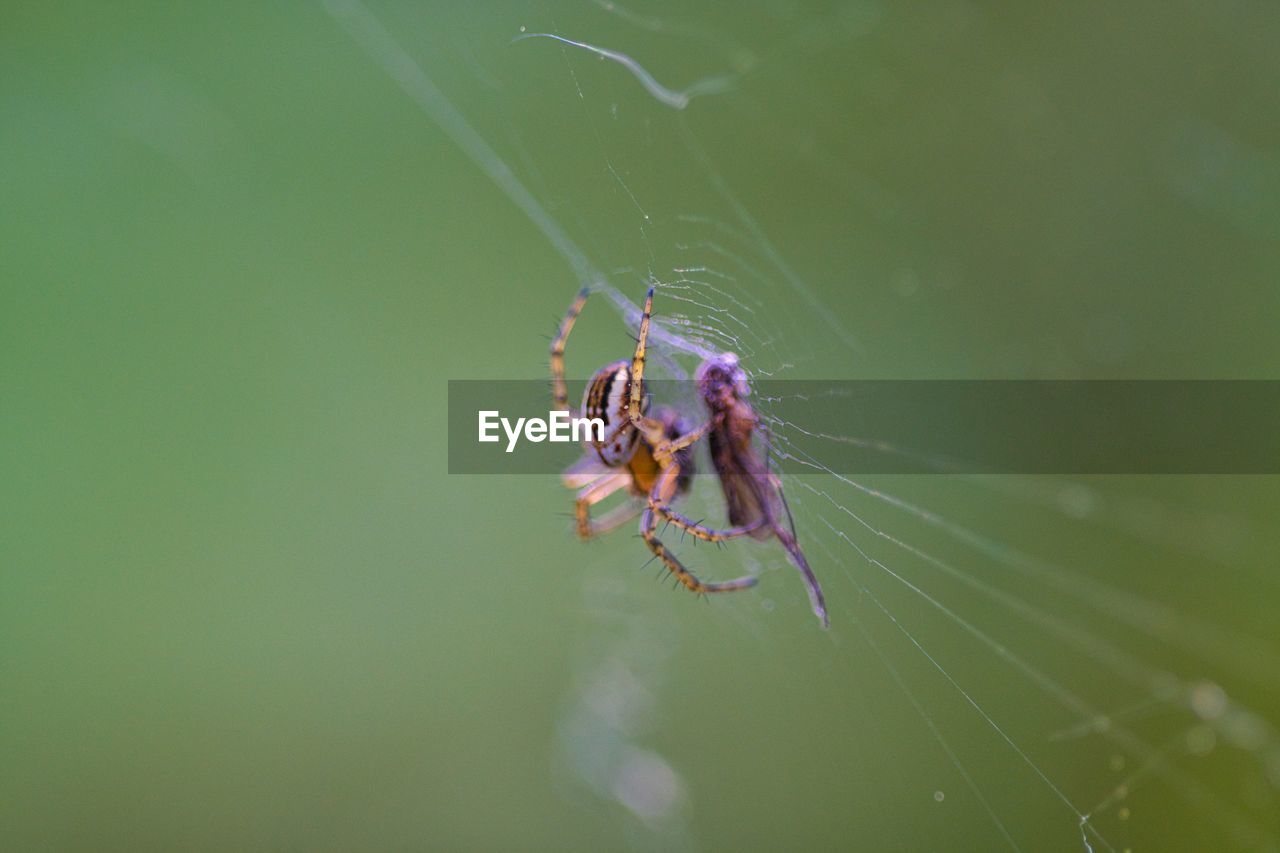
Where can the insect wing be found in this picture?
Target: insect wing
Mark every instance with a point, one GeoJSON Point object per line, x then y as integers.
{"type": "Point", "coordinates": [744, 479]}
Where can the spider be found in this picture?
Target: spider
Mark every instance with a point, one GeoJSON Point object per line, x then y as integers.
{"type": "Point", "coordinates": [651, 456]}
{"type": "Point", "coordinates": [657, 455]}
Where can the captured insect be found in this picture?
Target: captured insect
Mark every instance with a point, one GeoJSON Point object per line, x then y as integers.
{"type": "Point", "coordinates": [752, 492]}
{"type": "Point", "coordinates": [652, 456]}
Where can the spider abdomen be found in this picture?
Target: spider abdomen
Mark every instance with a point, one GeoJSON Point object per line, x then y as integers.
{"type": "Point", "coordinates": [606, 399]}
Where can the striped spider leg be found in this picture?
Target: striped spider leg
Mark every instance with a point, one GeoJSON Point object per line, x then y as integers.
{"type": "Point", "coordinates": [650, 456]}
{"type": "Point", "coordinates": [752, 492]}
{"type": "Point", "coordinates": [559, 391]}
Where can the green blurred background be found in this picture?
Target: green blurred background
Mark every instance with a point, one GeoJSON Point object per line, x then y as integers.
{"type": "Point", "coordinates": [243, 606]}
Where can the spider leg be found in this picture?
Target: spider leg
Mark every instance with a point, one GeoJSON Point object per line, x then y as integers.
{"type": "Point", "coordinates": [651, 428]}
{"type": "Point", "coordinates": [662, 492]}
{"type": "Point", "coordinates": [615, 518]}
{"type": "Point", "coordinates": [593, 494]}
{"type": "Point", "coordinates": [635, 393]}
{"type": "Point", "coordinates": [666, 449]}
{"type": "Point", "coordinates": [559, 392]}
{"type": "Point", "coordinates": [587, 470]}
{"type": "Point", "coordinates": [693, 528]}
{"type": "Point", "coordinates": [683, 575]}
{"type": "Point", "coordinates": [700, 531]}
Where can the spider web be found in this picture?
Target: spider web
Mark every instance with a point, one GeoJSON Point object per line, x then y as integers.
{"type": "Point", "coordinates": [1050, 664]}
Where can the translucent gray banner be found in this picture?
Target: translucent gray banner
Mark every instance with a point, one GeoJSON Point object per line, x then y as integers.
{"type": "Point", "coordinates": [932, 426]}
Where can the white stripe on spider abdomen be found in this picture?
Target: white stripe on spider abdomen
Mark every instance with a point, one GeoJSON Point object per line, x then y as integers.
{"type": "Point", "coordinates": [606, 399]}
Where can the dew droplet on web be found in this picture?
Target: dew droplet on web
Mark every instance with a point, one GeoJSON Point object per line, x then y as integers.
{"type": "Point", "coordinates": [938, 796]}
